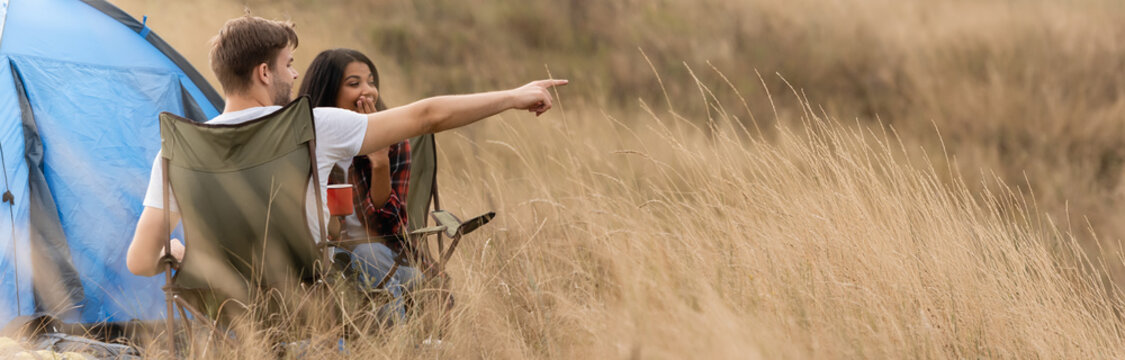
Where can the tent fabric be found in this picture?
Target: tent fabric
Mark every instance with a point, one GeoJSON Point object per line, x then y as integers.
{"type": "Point", "coordinates": [56, 285]}
{"type": "Point", "coordinates": [94, 80]}
{"type": "Point", "coordinates": [205, 91]}
{"type": "Point", "coordinates": [15, 271]}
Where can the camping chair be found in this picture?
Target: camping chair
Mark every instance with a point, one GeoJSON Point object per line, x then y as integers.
{"type": "Point", "coordinates": [242, 191]}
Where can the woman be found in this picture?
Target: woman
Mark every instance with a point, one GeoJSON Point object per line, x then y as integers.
{"type": "Point", "coordinates": [345, 78]}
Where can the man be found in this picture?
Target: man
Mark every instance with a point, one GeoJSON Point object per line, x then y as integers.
{"type": "Point", "coordinates": [253, 59]}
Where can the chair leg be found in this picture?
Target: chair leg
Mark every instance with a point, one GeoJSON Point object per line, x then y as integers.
{"type": "Point", "coordinates": [187, 324]}
{"type": "Point", "coordinates": [449, 252]}
{"type": "Point", "coordinates": [391, 272]}
{"type": "Point", "coordinates": [422, 246]}
{"type": "Point", "coordinates": [440, 251]}
{"type": "Point", "coordinates": [171, 326]}
{"type": "Point", "coordinates": [171, 331]}
{"type": "Point", "coordinates": [191, 309]}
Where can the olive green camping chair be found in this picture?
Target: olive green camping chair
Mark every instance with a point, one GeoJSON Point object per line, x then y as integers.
{"type": "Point", "coordinates": [242, 191]}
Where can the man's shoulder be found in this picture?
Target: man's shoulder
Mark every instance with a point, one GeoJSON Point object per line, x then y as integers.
{"type": "Point", "coordinates": [244, 115]}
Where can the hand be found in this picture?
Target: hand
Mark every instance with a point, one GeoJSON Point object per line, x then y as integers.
{"type": "Point", "coordinates": [534, 96]}
{"type": "Point", "coordinates": [177, 250]}
{"type": "Point", "coordinates": [380, 188]}
{"type": "Point", "coordinates": [380, 159]}
{"type": "Point", "coordinates": [365, 105]}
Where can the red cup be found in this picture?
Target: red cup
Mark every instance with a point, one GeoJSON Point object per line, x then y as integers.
{"type": "Point", "coordinates": [340, 199]}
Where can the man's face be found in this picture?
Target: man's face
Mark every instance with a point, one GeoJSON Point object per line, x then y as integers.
{"type": "Point", "coordinates": [284, 75]}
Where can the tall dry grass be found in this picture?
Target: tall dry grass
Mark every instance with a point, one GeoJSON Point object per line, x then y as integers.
{"type": "Point", "coordinates": [1028, 90]}
{"type": "Point", "coordinates": [654, 239]}
{"type": "Point", "coordinates": [640, 219]}
{"type": "Point", "coordinates": [662, 240]}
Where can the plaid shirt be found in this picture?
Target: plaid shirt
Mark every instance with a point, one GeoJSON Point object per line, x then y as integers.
{"type": "Point", "coordinates": [388, 218]}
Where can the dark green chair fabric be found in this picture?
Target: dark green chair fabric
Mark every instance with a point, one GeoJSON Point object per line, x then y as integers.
{"type": "Point", "coordinates": [423, 180]}
{"type": "Point", "coordinates": [242, 192]}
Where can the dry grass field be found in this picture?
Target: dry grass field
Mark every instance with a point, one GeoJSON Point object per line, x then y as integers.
{"type": "Point", "coordinates": [929, 185]}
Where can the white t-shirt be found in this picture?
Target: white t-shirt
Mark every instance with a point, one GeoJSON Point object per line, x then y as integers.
{"type": "Point", "coordinates": [339, 136]}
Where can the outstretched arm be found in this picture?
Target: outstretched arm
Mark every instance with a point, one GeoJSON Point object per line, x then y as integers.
{"type": "Point", "coordinates": [143, 257]}
{"type": "Point", "coordinates": [440, 113]}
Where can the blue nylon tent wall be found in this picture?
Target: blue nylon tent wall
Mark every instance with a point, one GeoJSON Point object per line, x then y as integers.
{"type": "Point", "coordinates": [93, 80]}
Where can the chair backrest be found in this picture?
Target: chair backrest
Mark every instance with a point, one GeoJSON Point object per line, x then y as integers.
{"type": "Point", "coordinates": [242, 192]}
{"type": "Point", "coordinates": [423, 180]}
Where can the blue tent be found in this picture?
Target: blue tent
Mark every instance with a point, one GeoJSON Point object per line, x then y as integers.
{"type": "Point", "coordinates": [81, 84]}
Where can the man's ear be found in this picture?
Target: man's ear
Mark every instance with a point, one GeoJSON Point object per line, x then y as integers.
{"type": "Point", "coordinates": [262, 74]}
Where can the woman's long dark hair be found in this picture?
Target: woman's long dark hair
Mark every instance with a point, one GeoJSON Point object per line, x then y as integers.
{"type": "Point", "coordinates": [322, 79]}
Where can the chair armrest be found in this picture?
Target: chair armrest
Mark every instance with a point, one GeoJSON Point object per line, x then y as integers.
{"type": "Point", "coordinates": [355, 241]}
{"type": "Point", "coordinates": [454, 227]}
{"type": "Point", "coordinates": [427, 231]}
{"type": "Point", "coordinates": [475, 223]}
{"type": "Point", "coordinates": [449, 222]}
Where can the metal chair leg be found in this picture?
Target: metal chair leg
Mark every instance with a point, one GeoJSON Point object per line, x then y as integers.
{"type": "Point", "coordinates": [171, 326]}
{"type": "Point", "coordinates": [191, 309]}
{"type": "Point", "coordinates": [391, 272]}
{"type": "Point", "coordinates": [187, 326]}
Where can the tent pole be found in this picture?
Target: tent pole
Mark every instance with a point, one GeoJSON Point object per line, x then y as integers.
{"type": "Point", "coordinates": [8, 197]}
{"type": "Point", "coordinates": [3, 17]}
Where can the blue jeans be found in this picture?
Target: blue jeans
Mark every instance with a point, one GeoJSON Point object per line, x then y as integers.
{"type": "Point", "coordinates": [371, 262]}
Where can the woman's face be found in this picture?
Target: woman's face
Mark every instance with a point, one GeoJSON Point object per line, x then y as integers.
{"type": "Point", "coordinates": [357, 90]}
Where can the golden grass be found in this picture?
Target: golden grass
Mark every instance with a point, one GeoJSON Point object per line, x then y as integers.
{"type": "Point", "coordinates": [656, 240]}
{"type": "Point", "coordinates": [1024, 90]}
{"type": "Point", "coordinates": [628, 230]}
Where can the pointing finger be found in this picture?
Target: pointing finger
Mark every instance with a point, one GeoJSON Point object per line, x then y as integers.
{"type": "Point", "coordinates": [552, 82]}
